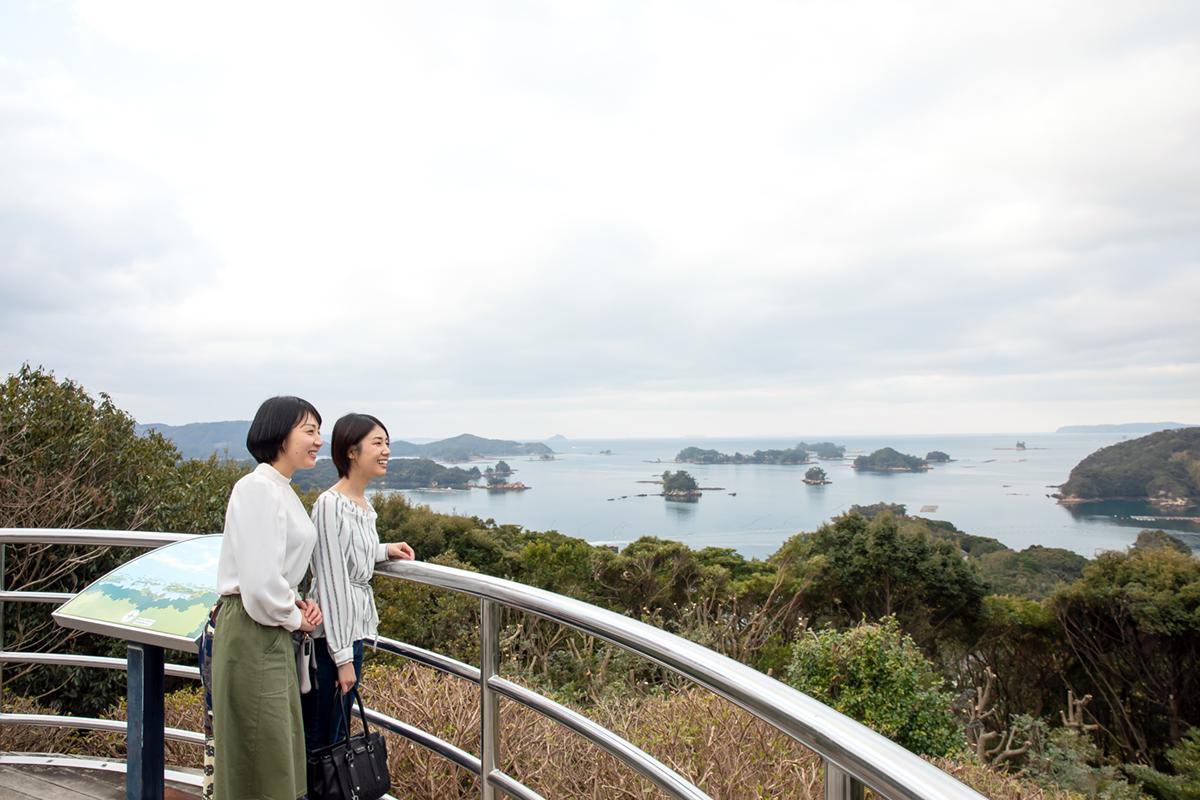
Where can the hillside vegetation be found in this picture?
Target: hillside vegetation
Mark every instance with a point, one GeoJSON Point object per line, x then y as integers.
{"type": "Point", "coordinates": [1163, 465]}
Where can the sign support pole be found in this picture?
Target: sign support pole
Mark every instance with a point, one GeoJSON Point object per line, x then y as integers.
{"type": "Point", "coordinates": [145, 762]}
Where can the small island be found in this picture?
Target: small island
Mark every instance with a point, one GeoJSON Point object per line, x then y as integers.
{"type": "Point", "coordinates": [500, 485]}
{"type": "Point", "coordinates": [937, 457]}
{"type": "Point", "coordinates": [1162, 468]}
{"type": "Point", "coordinates": [791, 456]}
{"type": "Point", "coordinates": [887, 459]}
{"type": "Point", "coordinates": [826, 451]}
{"type": "Point", "coordinates": [680, 486]}
{"type": "Point", "coordinates": [815, 476]}
{"type": "Point", "coordinates": [501, 470]}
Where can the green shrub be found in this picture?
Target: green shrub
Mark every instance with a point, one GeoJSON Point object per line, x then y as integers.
{"type": "Point", "coordinates": [1185, 783]}
{"type": "Point", "coordinates": [877, 675]}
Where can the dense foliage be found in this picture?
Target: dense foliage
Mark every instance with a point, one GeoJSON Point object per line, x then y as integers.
{"type": "Point", "coordinates": [1162, 465]}
{"type": "Point", "coordinates": [1034, 572]}
{"type": "Point", "coordinates": [815, 475]}
{"type": "Point", "coordinates": [876, 674]}
{"type": "Point", "coordinates": [1132, 621]}
{"type": "Point", "coordinates": [854, 568]}
{"type": "Point", "coordinates": [68, 460]}
{"type": "Point", "coordinates": [937, 456]}
{"type": "Point", "coordinates": [887, 459]}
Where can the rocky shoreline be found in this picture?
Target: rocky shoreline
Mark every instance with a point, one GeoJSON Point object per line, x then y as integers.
{"type": "Point", "coordinates": [1159, 502]}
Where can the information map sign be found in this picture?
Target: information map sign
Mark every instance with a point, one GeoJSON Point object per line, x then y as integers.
{"type": "Point", "coordinates": [160, 598]}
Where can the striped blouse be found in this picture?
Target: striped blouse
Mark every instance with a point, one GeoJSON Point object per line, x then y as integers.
{"type": "Point", "coordinates": [343, 561]}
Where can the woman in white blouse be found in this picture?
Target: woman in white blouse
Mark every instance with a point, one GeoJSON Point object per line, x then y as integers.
{"type": "Point", "coordinates": [348, 548]}
{"type": "Point", "coordinates": [258, 730]}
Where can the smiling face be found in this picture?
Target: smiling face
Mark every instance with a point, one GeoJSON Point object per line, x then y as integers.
{"type": "Point", "coordinates": [370, 456]}
{"type": "Point", "coordinates": [300, 448]}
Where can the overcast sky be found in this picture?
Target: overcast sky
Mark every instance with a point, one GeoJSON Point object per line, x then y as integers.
{"type": "Point", "coordinates": [609, 219]}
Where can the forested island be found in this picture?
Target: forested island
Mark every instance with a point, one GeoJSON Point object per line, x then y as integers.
{"type": "Point", "coordinates": [1163, 468]}
{"type": "Point", "coordinates": [886, 459]}
{"type": "Point", "coordinates": [1036, 673]}
{"type": "Point", "coordinates": [468, 447]}
{"type": "Point", "coordinates": [680, 486]}
{"type": "Point", "coordinates": [815, 476]}
{"type": "Point", "coordinates": [794, 455]}
{"type": "Point", "coordinates": [402, 473]}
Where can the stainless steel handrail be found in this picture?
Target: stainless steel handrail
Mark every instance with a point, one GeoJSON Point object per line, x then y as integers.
{"type": "Point", "coordinates": [854, 755]}
{"type": "Point", "coordinates": [54, 598]}
{"type": "Point", "coordinates": [847, 745]}
{"type": "Point", "coordinates": [93, 724]}
{"type": "Point", "coordinates": [100, 662]}
{"type": "Point", "coordinates": [88, 536]}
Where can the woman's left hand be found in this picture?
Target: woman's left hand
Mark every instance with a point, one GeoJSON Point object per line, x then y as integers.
{"type": "Point", "coordinates": [401, 551]}
{"type": "Point", "coordinates": [310, 612]}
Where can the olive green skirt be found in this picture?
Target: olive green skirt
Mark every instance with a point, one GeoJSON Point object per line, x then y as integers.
{"type": "Point", "coordinates": [258, 730]}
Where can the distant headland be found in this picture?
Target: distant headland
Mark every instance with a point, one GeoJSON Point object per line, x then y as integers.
{"type": "Point", "coordinates": [1125, 427]}
{"type": "Point", "coordinates": [1163, 468]}
{"type": "Point", "coordinates": [228, 440]}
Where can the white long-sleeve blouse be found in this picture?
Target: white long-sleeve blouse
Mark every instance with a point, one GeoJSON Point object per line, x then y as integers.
{"type": "Point", "coordinates": [348, 548]}
{"type": "Point", "coordinates": [267, 547]}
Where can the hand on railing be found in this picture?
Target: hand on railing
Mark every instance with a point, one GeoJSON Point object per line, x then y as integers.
{"type": "Point", "coordinates": [400, 551]}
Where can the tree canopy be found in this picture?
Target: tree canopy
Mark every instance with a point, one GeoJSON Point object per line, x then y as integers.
{"type": "Point", "coordinates": [679, 481]}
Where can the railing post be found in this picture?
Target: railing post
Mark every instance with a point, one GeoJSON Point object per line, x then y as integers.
{"type": "Point", "coordinates": [144, 724]}
{"type": "Point", "coordinates": [489, 701]}
{"type": "Point", "coordinates": [2, 567]}
{"type": "Point", "coordinates": [841, 785]}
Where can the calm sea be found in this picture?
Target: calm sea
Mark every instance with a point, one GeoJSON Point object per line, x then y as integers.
{"type": "Point", "coordinates": [990, 489]}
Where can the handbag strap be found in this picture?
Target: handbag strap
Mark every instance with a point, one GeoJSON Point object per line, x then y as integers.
{"type": "Point", "coordinates": [362, 713]}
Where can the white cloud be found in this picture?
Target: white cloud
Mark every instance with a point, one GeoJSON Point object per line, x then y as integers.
{"type": "Point", "coordinates": [608, 217]}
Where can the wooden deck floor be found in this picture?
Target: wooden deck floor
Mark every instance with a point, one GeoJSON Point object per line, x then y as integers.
{"type": "Point", "coordinates": [39, 782]}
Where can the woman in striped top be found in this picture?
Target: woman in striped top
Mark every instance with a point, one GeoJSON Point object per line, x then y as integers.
{"type": "Point", "coordinates": [348, 548]}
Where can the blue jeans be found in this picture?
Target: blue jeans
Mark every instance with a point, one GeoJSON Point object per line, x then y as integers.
{"type": "Point", "coordinates": [322, 720]}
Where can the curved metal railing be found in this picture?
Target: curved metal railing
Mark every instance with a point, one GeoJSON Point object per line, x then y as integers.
{"type": "Point", "coordinates": [855, 756]}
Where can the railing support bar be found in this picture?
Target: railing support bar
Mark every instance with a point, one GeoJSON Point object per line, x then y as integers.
{"type": "Point", "coordinates": [489, 699]}
{"type": "Point", "coordinates": [3, 565]}
{"type": "Point", "coordinates": [144, 776]}
{"type": "Point", "coordinates": [841, 785]}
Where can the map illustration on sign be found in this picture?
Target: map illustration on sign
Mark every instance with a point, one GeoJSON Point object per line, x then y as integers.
{"type": "Point", "coordinates": [161, 598]}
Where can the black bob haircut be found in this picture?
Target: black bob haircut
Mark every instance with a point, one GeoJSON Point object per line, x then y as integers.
{"type": "Point", "coordinates": [274, 421]}
{"type": "Point", "coordinates": [348, 433]}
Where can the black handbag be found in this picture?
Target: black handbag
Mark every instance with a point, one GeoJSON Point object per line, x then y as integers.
{"type": "Point", "coordinates": [354, 768]}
